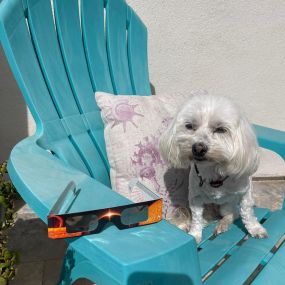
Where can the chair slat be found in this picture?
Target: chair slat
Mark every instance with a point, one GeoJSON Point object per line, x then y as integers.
{"type": "Point", "coordinates": [137, 54]}
{"type": "Point", "coordinates": [217, 248]}
{"type": "Point", "coordinates": [47, 48]}
{"type": "Point", "coordinates": [65, 150]}
{"type": "Point", "coordinates": [20, 53]}
{"type": "Point", "coordinates": [274, 271]}
{"type": "Point", "coordinates": [55, 139]}
{"type": "Point", "coordinates": [93, 31]}
{"type": "Point", "coordinates": [116, 29]}
{"type": "Point", "coordinates": [245, 260]}
{"type": "Point", "coordinates": [69, 79]}
{"type": "Point", "coordinates": [97, 134]}
{"type": "Point", "coordinates": [86, 148]}
{"type": "Point", "coordinates": [69, 34]}
{"type": "Point", "coordinates": [92, 14]}
{"type": "Point", "coordinates": [82, 139]}
{"type": "Point", "coordinates": [207, 233]}
{"type": "Point", "coordinates": [48, 51]}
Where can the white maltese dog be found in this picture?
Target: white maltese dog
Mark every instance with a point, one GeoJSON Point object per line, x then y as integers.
{"type": "Point", "coordinates": [213, 136]}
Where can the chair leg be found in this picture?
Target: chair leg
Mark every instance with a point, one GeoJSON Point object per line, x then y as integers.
{"type": "Point", "coordinates": [147, 272]}
{"type": "Point", "coordinates": [70, 262]}
{"type": "Point", "coordinates": [160, 279]}
{"type": "Point", "coordinates": [75, 266]}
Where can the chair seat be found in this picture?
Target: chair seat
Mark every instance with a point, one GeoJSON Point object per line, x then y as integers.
{"type": "Point", "coordinates": [236, 258]}
{"type": "Point", "coordinates": [230, 258]}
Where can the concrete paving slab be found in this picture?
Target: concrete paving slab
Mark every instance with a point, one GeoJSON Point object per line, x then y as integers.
{"type": "Point", "coordinates": [29, 237]}
{"type": "Point", "coordinates": [51, 271]}
{"type": "Point", "coordinates": [271, 165]}
{"type": "Point", "coordinates": [29, 273]}
{"type": "Point", "coordinates": [269, 193]}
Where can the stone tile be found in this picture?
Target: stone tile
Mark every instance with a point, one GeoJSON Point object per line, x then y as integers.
{"type": "Point", "coordinates": [29, 237]}
{"type": "Point", "coordinates": [24, 212]}
{"type": "Point", "coordinates": [269, 194]}
{"type": "Point", "coordinates": [271, 164]}
{"type": "Point", "coordinates": [51, 274]}
{"type": "Point", "coordinates": [29, 273]}
{"type": "Point", "coordinates": [52, 269]}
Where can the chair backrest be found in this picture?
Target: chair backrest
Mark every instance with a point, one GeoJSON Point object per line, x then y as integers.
{"type": "Point", "coordinates": [61, 52]}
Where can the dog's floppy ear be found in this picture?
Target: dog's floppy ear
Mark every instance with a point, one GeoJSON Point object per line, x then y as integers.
{"type": "Point", "coordinates": [245, 158]}
{"type": "Point", "coordinates": [169, 147]}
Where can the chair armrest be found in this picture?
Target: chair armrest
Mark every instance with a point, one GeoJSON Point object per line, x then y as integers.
{"type": "Point", "coordinates": [271, 139]}
{"type": "Point", "coordinates": [40, 177]}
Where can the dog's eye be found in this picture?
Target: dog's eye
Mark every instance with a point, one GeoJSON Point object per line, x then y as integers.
{"type": "Point", "coordinates": [220, 130]}
{"type": "Point", "coordinates": [189, 126]}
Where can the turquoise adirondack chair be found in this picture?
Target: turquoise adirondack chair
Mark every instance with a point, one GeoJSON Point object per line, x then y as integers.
{"type": "Point", "coordinates": [59, 59]}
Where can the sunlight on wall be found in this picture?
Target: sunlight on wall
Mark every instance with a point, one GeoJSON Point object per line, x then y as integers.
{"type": "Point", "coordinates": [231, 48]}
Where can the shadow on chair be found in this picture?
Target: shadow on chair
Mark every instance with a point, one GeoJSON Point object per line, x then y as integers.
{"type": "Point", "coordinates": [159, 278]}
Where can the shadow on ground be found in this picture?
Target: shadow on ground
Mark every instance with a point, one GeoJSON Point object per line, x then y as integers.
{"type": "Point", "coordinates": [40, 257]}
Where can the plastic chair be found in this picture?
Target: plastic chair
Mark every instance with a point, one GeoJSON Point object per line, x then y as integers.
{"type": "Point", "coordinates": [59, 57]}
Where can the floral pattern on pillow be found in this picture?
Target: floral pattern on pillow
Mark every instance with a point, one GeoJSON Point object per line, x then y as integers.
{"type": "Point", "coordinates": [146, 162]}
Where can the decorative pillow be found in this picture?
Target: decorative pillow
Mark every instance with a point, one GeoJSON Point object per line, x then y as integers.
{"type": "Point", "coordinates": [133, 125]}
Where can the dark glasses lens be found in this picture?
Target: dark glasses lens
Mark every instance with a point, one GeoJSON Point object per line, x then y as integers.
{"type": "Point", "coordinates": [81, 223]}
{"type": "Point", "coordinates": [134, 215]}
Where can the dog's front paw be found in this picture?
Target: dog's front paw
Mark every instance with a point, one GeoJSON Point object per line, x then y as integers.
{"type": "Point", "coordinates": [221, 227]}
{"type": "Point", "coordinates": [196, 234]}
{"type": "Point", "coordinates": [258, 232]}
{"type": "Point", "coordinates": [181, 218]}
{"type": "Point", "coordinates": [183, 226]}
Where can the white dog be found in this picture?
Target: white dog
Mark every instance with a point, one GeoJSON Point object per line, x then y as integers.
{"type": "Point", "coordinates": [213, 136]}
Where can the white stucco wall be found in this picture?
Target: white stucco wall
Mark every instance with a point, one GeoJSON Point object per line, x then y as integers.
{"type": "Point", "coordinates": [234, 48]}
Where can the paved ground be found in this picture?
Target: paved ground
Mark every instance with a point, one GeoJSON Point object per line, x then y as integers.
{"type": "Point", "coordinates": [41, 258]}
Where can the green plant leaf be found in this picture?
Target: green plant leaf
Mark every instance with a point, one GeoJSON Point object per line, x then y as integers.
{"type": "Point", "coordinates": [3, 281]}
{"type": "Point", "coordinates": [2, 200]}
{"type": "Point", "coordinates": [7, 255]}
{"type": "Point", "coordinates": [8, 194]}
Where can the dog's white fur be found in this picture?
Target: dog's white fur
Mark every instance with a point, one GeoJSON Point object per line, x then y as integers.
{"type": "Point", "coordinates": [232, 151]}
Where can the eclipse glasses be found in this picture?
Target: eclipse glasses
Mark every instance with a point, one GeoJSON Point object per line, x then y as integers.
{"type": "Point", "coordinates": [91, 222]}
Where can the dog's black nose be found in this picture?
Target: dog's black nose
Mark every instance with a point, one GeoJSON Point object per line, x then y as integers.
{"type": "Point", "coordinates": [199, 149]}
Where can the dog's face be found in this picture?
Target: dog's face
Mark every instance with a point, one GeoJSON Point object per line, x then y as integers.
{"type": "Point", "coordinates": [211, 131]}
